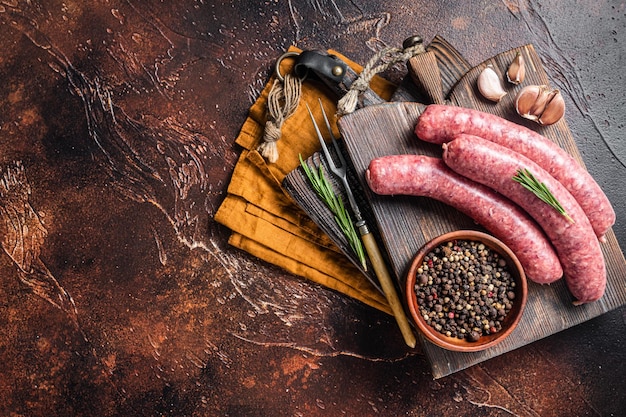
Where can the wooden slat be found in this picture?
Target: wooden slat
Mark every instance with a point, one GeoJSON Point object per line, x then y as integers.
{"type": "Point", "coordinates": [452, 65]}
{"type": "Point", "coordinates": [423, 71]}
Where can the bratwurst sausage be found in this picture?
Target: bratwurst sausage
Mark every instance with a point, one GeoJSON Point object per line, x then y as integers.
{"type": "Point", "coordinates": [425, 176]}
{"type": "Point", "coordinates": [439, 124]}
{"type": "Point", "coordinates": [495, 166]}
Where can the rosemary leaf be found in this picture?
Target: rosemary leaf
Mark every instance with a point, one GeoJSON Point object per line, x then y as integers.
{"type": "Point", "coordinates": [532, 184]}
{"type": "Point", "coordinates": [325, 191]}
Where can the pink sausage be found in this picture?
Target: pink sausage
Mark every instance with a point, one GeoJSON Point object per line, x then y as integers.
{"type": "Point", "coordinates": [579, 251]}
{"type": "Point", "coordinates": [439, 124]}
{"type": "Point", "coordinates": [424, 176]}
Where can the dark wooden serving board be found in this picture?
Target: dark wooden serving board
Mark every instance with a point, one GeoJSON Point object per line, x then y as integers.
{"type": "Point", "coordinates": [406, 223]}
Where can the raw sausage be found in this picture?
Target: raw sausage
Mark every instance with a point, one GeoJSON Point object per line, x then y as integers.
{"type": "Point", "coordinates": [579, 251]}
{"type": "Point", "coordinates": [425, 176]}
{"type": "Point", "coordinates": [439, 124]}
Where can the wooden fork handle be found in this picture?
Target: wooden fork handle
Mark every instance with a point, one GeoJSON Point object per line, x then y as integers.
{"type": "Point", "coordinates": [386, 283]}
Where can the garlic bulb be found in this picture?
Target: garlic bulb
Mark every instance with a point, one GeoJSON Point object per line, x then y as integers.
{"type": "Point", "coordinates": [517, 70]}
{"type": "Point", "coordinates": [540, 104]}
{"type": "Point", "coordinates": [489, 85]}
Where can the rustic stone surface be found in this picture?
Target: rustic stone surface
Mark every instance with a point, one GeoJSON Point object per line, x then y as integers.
{"type": "Point", "coordinates": [121, 296]}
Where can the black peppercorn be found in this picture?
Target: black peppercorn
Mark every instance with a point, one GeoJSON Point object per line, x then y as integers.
{"type": "Point", "coordinates": [464, 290]}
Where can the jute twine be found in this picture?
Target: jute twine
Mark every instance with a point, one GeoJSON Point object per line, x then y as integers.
{"type": "Point", "coordinates": [282, 102]}
{"type": "Point", "coordinates": [389, 57]}
{"type": "Point", "coordinates": [284, 96]}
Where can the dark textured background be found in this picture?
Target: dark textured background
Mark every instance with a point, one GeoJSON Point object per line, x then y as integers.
{"type": "Point", "coordinates": [120, 295]}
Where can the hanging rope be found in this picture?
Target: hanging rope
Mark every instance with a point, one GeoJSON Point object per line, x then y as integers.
{"type": "Point", "coordinates": [282, 102]}
{"type": "Point", "coordinates": [284, 96]}
{"type": "Point", "coordinates": [389, 56]}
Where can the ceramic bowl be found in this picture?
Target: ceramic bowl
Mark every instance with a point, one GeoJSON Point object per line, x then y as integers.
{"type": "Point", "coordinates": [509, 322]}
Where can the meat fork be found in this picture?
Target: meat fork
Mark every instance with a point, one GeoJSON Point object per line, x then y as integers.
{"type": "Point", "coordinates": [371, 247]}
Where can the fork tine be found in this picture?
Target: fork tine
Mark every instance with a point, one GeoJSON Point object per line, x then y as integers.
{"type": "Point", "coordinates": [332, 137]}
{"type": "Point", "coordinates": [341, 171]}
{"type": "Point", "coordinates": [329, 159]}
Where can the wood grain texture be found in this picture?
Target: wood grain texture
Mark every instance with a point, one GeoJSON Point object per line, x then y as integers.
{"type": "Point", "coordinates": [428, 80]}
{"type": "Point", "coordinates": [406, 223]}
{"type": "Point", "coordinates": [452, 66]}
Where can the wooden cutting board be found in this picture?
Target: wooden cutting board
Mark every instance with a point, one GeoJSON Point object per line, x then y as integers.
{"type": "Point", "coordinates": [406, 223]}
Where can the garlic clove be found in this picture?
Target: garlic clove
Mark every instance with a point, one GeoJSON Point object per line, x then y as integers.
{"type": "Point", "coordinates": [541, 101]}
{"type": "Point", "coordinates": [489, 85]}
{"type": "Point", "coordinates": [517, 70]}
{"type": "Point", "coordinates": [555, 109]}
{"type": "Point", "coordinates": [540, 104]}
{"type": "Point", "coordinates": [526, 99]}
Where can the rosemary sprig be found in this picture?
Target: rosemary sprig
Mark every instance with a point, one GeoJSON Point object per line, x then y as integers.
{"type": "Point", "coordinates": [334, 202]}
{"type": "Point", "coordinates": [528, 181]}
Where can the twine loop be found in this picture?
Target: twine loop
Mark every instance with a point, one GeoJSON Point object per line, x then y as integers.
{"type": "Point", "coordinates": [388, 57]}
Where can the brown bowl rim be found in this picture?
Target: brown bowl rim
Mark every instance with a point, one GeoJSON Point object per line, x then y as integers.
{"type": "Point", "coordinates": [512, 318]}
